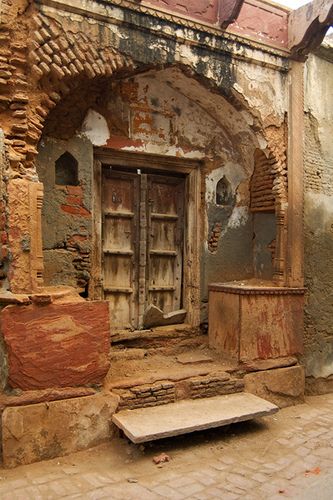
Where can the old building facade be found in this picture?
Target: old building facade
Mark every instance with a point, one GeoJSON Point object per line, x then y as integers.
{"type": "Point", "coordinates": [152, 168]}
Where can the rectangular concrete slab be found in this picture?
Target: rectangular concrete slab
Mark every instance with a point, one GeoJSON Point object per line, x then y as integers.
{"type": "Point", "coordinates": [157, 422]}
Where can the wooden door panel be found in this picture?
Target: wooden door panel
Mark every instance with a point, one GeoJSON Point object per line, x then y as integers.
{"type": "Point", "coordinates": [161, 271]}
{"type": "Point", "coordinates": [118, 192]}
{"type": "Point", "coordinates": [163, 196]}
{"type": "Point", "coordinates": [165, 242]}
{"type": "Point", "coordinates": [163, 234]}
{"type": "Point", "coordinates": [163, 300]}
{"type": "Point", "coordinates": [120, 310]}
{"type": "Point", "coordinates": [120, 235]}
{"type": "Point", "coordinates": [118, 272]}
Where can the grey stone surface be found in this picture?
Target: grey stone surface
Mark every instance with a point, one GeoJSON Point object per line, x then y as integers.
{"type": "Point", "coordinates": [154, 316]}
{"type": "Point", "coordinates": [149, 424]}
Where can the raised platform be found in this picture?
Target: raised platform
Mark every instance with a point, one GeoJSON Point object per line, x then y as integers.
{"type": "Point", "coordinates": [183, 417]}
{"type": "Point", "coordinates": [253, 320]}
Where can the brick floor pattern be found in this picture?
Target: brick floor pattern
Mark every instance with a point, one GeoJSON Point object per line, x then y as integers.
{"type": "Point", "coordinates": [287, 464]}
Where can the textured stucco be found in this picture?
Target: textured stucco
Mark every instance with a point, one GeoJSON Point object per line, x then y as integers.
{"type": "Point", "coordinates": [66, 214]}
{"type": "Point", "coordinates": [318, 217]}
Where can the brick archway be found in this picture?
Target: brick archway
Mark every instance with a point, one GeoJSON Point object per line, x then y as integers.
{"type": "Point", "coordinates": [58, 61]}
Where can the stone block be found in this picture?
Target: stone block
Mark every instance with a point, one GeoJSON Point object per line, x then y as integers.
{"type": "Point", "coordinates": [248, 322]}
{"type": "Point", "coordinates": [56, 345]}
{"type": "Point", "coordinates": [47, 430]}
{"type": "Point", "coordinates": [283, 386]}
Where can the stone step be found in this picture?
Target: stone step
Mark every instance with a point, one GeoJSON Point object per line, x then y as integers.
{"type": "Point", "coordinates": [148, 424]}
{"type": "Point", "coordinates": [164, 340]}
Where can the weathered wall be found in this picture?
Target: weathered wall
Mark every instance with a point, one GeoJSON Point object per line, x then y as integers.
{"type": "Point", "coordinates": [210, 83]}
{"type": "Point", "coordinates": [66, 215]}
{"type": "Point", "coordinates": [318, 215]}
{"type": "Point", "coordinates": [164, 112]}
{"type": "Point", "coordinates": [3, 231]}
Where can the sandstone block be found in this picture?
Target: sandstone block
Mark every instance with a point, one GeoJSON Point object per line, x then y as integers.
{"type": "Point", "coordinates": [56, 345]}
{"type": "Point", "coordinates": [47, 430]}
{"type": "Point", "coordinates": [283, 386]}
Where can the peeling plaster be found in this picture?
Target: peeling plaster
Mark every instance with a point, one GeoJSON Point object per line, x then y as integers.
{"type": "Point", "coordinates": [232, 171]}
{"type": "Point", "coordinates": [238, 218]}
{"type": "Point", "coordinates": [95, 127]}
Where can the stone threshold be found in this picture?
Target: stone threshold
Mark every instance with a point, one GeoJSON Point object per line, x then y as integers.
{"type": "Point", "coordinates": [183, 417]}
{"type": "Point", "coordinates": [170, 331]}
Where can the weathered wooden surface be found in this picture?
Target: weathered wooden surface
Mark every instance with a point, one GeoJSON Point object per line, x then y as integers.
{"type": "Point", "coordinates": [120, 246]}
{"type": "Point", "coordinates": [143, 235]}
{"type": "Point", "coordinates": [149, 424]}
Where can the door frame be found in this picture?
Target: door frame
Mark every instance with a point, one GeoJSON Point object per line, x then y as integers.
{"type": "Point", "coordinates": [191, 169]}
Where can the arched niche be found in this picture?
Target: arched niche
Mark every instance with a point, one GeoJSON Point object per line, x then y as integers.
{"type": "Point", "coordinates": [223, 195]}
{"type": "Point", "coordinates": [66, 170]}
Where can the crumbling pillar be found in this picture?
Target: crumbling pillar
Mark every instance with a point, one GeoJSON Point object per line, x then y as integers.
{"type": "Point", "coordinates": [295, 253]}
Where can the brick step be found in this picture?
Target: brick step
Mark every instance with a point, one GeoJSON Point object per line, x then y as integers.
{"type": "Point", "coordinates": [182, 417]}
{"type": "Point", "coordinates": [161, 392]}
{"type": "Point", "coordinates": [163, 340]}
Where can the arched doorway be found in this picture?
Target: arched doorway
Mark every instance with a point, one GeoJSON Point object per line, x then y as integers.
{"type": "Point", "coordinates": [159, 131]}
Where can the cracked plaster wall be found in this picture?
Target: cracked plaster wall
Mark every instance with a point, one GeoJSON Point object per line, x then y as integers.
{"type": "Point", "coordinates": [318, 217]}
{"type": "Point", "coordinates": [66, 214]}
{"type": "Point", "coordinates": [165, 112]}
{"type": "Point", "coordinates": [254, 85]}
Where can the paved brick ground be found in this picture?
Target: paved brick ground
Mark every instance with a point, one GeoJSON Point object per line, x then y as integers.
{"type": "Point", "coordinates": [287, 455]}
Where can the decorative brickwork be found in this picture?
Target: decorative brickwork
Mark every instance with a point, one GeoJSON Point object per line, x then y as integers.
{"type": "Point", "coordinates": [261, 185]}
{"type": "Point", "coordinates": [54, 63]}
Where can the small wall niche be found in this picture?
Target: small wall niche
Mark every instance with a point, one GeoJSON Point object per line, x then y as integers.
{"type": "Point", "coordinates": [66, 170]}
{"type": "Point", "coordinates": [223, 192]}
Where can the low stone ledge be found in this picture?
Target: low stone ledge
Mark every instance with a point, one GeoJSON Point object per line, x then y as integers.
{"type": "Point", "coordinates": [268, 364]}
{"type": "Point", "coordinates": [316, 386]}
{"type": "Point", "coordinates": [51, 429]}
{"type": "Point", "coordinates": [283, 386]}
{"type": "Point", "coordinates": [34, 397]}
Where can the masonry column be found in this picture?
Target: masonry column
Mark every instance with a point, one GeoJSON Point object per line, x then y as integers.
{"type": "Point", "coordinates": [295, 253]}
{"type": "Point", "coordinates": [25, 200]}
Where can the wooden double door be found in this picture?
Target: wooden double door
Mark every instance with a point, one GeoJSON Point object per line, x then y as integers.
{"type": "Point", "coordinates": [142, 243]}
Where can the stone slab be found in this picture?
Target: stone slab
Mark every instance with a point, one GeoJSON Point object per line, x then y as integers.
{"type": "Point", "coordinates": [283, 386]}
{"type": "Point", "coordinates": [56, 345]}
{"type": "Point", "coordinates": [183, 417]}
{"type": "Point", "coordinates": [268, 364]}
{"type": "Point", "coordinates": [193, 357]}
{"type": "Point", "coordinates": [47, 430]}
{"type": "Point", "coordinates": [153, 316]}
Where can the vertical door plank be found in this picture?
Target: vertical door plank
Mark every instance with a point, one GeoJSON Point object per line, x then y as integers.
{"type": "Point", "coordinates": [165, 242]}
{"type": "Point", "coordinates": [96, 282]}
{"type": "Point", "coordinates": [120, 230]}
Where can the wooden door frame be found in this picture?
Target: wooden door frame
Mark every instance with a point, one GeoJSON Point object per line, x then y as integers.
{"type": "Point", "coordinates": [191, 169]}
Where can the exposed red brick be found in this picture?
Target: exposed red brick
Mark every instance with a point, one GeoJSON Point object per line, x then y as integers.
{"type": "Point", "coordinates": [74, 200]}
{"type": "Point", "coordinates": [76, 210]}
{"type": "Point", "coordinates": [75, 190]}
